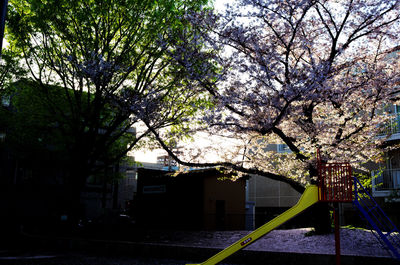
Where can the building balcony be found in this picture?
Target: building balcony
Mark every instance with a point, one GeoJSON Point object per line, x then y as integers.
{"type": "Point", "coordinates": [386, 182]}
{"type": "Point", "coordinates": [391, 128]}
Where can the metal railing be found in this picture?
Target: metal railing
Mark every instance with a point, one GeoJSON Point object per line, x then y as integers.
{"type": "Point", "coordinates": [388, 179]}
{"type": "Point", "coordinates": [392, 126]}
{"type": "Point", "coordinates": [335, 181]}
{"type": "Point", "coordinates": [382, 227]}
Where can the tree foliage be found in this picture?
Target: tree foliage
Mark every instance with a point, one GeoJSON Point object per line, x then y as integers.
{"type": "Point", "coordinates": [10, 68]}
{"type": "Point", "coordinates": [113, 60]}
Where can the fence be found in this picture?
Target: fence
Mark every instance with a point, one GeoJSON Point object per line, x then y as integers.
{"type": "Point", "coordinates": [335, 181]}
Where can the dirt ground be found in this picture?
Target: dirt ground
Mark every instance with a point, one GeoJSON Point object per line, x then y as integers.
{"type": "Point", "coordinates": [353, 241]}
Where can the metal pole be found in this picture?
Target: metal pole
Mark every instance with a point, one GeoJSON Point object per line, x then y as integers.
{"type": "Point", "coordinates": [3, 13]}
{"type": "Point", "coordinates": [337, 232]}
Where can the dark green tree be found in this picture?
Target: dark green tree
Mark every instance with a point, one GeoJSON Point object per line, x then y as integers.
{"type": "Point", "coordinates": [10, 71]}
{"type": "Point", "coordinates": [113, 61]}
{"type": "Point", "coordinates": [10, 67]}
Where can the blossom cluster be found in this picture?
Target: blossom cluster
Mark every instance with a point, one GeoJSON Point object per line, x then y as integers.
{"type": "Point", "coordinates": [307, 74]}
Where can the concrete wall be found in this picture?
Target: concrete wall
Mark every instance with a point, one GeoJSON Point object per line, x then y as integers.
{"type": "Point", "coordinates": [230, 194]}
{"type": "Point", "coordinates": [271, 193]}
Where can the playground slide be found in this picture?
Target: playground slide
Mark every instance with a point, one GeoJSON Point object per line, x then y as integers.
{"type": "Point", "coordinates": [309, 197]}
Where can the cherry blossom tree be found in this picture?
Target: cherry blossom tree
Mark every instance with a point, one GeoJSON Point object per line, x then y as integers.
{"type": "Point", "coordinates": [308, 74]}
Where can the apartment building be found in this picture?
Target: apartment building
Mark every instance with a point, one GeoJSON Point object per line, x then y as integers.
{"type": "Point", "coordinates": [386, 175]}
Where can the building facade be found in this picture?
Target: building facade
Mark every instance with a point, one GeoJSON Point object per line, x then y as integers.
{"type": "Point", "coordinates": [386, 175]}
{"type": "Point", "coordinates": [204, 199]}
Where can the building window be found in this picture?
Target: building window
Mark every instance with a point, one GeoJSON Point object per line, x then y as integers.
{"type": "Point", "coordinates": [6, 101]}
{"type": "Point", "coordinates": [2, 136]}
{"type": "Point", "coordinates": [166, 161]}
{"type": "Point", "coordinates": [94, 180]}
{"type": "Point", "coordinates": [283, 148]}
{"type": "Point", "coordinates": [130, 176]}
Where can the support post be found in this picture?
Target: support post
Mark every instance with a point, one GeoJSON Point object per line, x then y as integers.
{"type": "Point", "coordinates": [337, 231]}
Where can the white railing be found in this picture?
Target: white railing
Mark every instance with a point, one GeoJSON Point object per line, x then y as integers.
{"type": "Point", "coordinates": [385, 180]}
{"type": "Point", "coordinates": [392, 126]}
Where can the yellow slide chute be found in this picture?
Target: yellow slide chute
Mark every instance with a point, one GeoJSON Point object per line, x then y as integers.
{"type": "Point", "coordinates": [309, 197]}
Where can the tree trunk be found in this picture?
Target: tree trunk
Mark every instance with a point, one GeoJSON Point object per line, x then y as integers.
{"type": "Point", "coordinates": [77, 182]}
{"type": "Point", "coordinates": [321, 218]}
{"type": "Point", "coordinates": [116, 188]}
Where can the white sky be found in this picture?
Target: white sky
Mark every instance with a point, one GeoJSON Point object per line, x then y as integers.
{"type": "Point", "coordinates": [219, 4]}
{"type": "Point", "coordinates": [209, 147]}
{"type": "Point", "coordinates": [201, 141]}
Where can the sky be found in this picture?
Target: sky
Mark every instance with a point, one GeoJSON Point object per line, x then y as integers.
{"type": "Point", "coordinates": [202, 141]}
{"type": "Point", "coordinates": [219, 4]}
